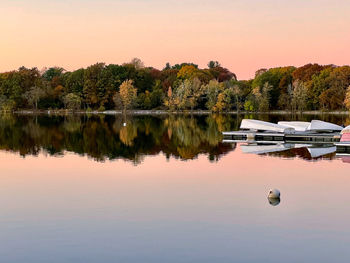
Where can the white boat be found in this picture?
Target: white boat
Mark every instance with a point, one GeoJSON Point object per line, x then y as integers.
{"type": "Point", "coordinates": [322, 126]}
{"type": "Point", "coordinates": [256, 125]}
{"type": "Point", "coordinates": [297, 125]}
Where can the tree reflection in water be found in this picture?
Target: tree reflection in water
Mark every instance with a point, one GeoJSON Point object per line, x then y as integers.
{"type": "Point", "coordinates": [106, 138]}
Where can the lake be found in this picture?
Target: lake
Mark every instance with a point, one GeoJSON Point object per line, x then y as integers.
{"type": "Point", "coordinates": [165, 189]}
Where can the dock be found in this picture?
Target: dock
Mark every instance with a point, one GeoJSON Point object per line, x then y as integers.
{"type": "Point", "coordinates": [343, 148]}
{"type": "Point", "coordinates": [319, 137]}
{"type": "Point", "coordinates": [275, 137]}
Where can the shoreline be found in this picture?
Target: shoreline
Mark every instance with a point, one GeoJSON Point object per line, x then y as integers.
{"type": "Point", "coordinates": [165, 112]}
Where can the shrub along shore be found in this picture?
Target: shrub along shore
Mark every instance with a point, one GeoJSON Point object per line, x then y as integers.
{"type": "Point", "coordinates": [113, 89]}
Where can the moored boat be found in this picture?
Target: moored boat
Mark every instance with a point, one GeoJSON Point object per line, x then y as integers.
{"type": "Point", "coordinates": [256, 125]}
{"type": "Point", "coordinates": [297, 125]}
{"type": "Point", "coordinates": [322, 126]}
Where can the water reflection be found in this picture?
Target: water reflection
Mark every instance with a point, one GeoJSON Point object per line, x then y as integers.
{"type": "Point", "coordinates": [288, 150]}
{"type": "Point", "coordinates": [106, 138]}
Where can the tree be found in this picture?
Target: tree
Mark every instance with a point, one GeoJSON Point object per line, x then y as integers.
{"type": "Point", "coordinates": [72, 101]}
{"type": "Point", "coordinates": [187, 72]}
{"type": "Point", "coordinates": [52, 72]}
{"type": "Point", "coordinates": [127, 93]}
{"type": "Point", "coordinates": [6, 104]}
{"type": "Point", "coordinates": [137, 63]}
{"type": "Point", "coordinates": [92, 76]}
{"type": "Point", "coordinates": [278, 78]}
{"type": "Point", "coordinates": [167, 66]}
{"type": "Point", "coordinates": [224, 100]}
{"type": "Point", "coordinates": [74, 82]}
{"type": "Point", "coordinates": [118, 104]}
{"type": "Point", "coordinates": [306, 72]}
{"type": "Point", "coordinates": [186, 95]}
{"type": "Point", "coordinates": [34, 95]}
{"type": "Point", "coordinates": [347, 98]}
{"type": "Point", "coordinates": [170, 100]}
{"type": "Point", "coordinates": [213, 64]}
{"type": "Point", "coordinates": [262, 97]}
{"type": "Point", "coordinates": [212, 91]}
{"type": "Point", "coordinates": [222, 74]}
{"type": "Point", "coordinates": [299, 96]}
{"type": "Point", "coordinates": [332, 98]}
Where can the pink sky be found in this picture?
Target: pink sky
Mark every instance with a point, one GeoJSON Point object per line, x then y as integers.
{"type": "Point", "coordinates": [243, 35]}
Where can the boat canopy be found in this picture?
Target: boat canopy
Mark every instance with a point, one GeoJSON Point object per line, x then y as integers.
{"type": "Point", "coordinates": [257, 125]}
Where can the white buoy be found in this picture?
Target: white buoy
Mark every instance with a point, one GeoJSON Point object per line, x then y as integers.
{"type": "Point", "coordinates": [274, 193]}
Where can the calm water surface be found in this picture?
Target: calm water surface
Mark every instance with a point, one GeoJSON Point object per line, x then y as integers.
{"type": "Point", "coordinates": [164, 189]}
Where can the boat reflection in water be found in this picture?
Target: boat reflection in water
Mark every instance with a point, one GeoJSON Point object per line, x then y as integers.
{"type": "Point", "coordinates": [287, 150]}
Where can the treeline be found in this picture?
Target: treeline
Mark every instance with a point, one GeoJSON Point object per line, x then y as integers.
{"type": "Point", "coordinates": [179, 87]}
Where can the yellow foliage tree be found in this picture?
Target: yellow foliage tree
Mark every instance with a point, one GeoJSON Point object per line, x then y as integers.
{"type": "Point", "coordinates": [187, 72]}
{"type": "Point", "coordinates": [127, 93]}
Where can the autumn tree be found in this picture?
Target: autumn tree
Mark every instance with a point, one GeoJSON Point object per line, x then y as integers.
{"type": "Point", "coordinates": [127, 93]}
{"type": "Point", "coordinates": [224, 100]}
{"type": "Point", "coordinates": [187, 72]}
{"type": "Point", "coordinates": [212, 91]}
{"type": "Point", "coordinates": [188, 93]}
{"type": "Point", "coordinates": [170, 101]}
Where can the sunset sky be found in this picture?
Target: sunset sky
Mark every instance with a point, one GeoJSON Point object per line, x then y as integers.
{"type": "Point", "coordinates": [243, 35]}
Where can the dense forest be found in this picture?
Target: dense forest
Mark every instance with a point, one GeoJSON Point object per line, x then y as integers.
{"type": "Point", "coordinates": [180, 87]}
